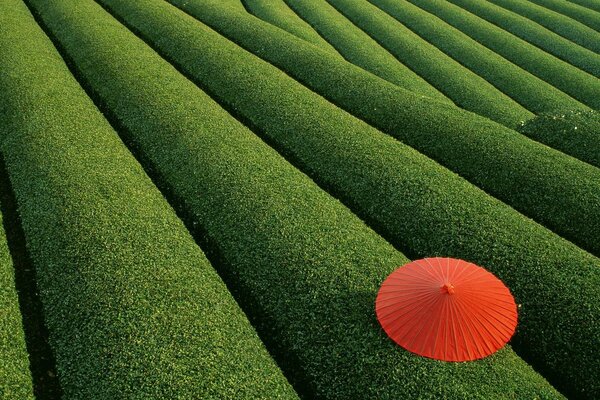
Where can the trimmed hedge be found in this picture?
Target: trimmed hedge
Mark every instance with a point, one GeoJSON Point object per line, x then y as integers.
{"type": "Point", "coordinates": [133, 307]}
{"type": "Point", "coordinates": [575, 133]}
{"type": "Point", "coordinates": [276, 12]}
{"type": "Point", "coordinates": [542, 183]}
{"type": "Point", "coordinates": [577, 12]}
{"type": "Point", "coordinates": [564, 26]}
{"type": "Point", "coordinates": [465, 88]}
{"type": "Point", "coordinates": [533, 33]}
{"type": "Point", "coordinates": [305, 267]}
{"type": "Point", "coordinates": [526, 89]}
{"type": "Point", "coordinates": [571, 80]}
{"type": "Point", "coordinates": [591, 4]}
{"type": "Point", "coordinates": [359, 48]}
{"type": "Point", "coordinates": [419, 205]}
{"type": "Point", "coordinates": [15, 376]}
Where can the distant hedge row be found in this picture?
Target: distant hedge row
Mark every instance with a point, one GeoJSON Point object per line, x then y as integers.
{"type": "Point", "coordinates": [575, 11]}
{"type": "Point", "coordinates": [359, 48]}
{"type": "Point", "coordinates": [418, 205]}
{"type": "Point", "coordinates": [276, 12]}
{"type": "Point", "coordinates": [571, 80]}
{"type": "Point", "coordinates": [303, 265]}
{"type": "Point", "coordinates": [523, 87]}
{"type": "Point", "coordinates": [133, 308]}
{"type": "Point", "coordinates": [465, 88]}
{"type": "Point", "coordinates": [533, 33]}
{"type": "Point", "coordinates": [563, 25]}
{"type": "Point", "coordinates": [591, 4]}
{"type": "Point", "coordinates": [544, 184]}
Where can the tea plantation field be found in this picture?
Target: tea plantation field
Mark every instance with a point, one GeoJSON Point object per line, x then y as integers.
{"type": "Point", "coordinates": [199, 199]}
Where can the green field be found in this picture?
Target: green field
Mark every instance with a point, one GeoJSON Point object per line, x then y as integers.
{"type": "Point", "coordinates": [204, 196]}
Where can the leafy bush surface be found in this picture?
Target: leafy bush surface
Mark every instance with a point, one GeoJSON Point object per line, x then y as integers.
{"type": "Point", "coordinates": [304, 266]}
{"type": "Point", "coordinates": [574, 132]}
{"type": "Point", "coordinates": [578, 84]}
{"type": "Point", "coordinates": [133, 307]}
{"type": "Point", "coordinates": [530, 177]}
{"type": "Point", "coordinates": [532, 32]}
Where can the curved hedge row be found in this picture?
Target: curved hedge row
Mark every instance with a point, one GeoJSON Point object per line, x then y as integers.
{"type": "Point", "coordinates": [359, 48]}
{"type": "Point", "coordinates": [575, 133]}
{"type": "Point", "coordinates": [577, 12]}
{"type": "Point", "coordinates": [465, 88]}
{"type": "Point", "coordinates": [526, 89]}
{"type": "Point", "coordinates": [306, 267]}
{"type": "Point", "coordinates": [419, 205]}
{"type": "Point", "coordinates": [571, 80]}
{"type": "Point", "coordinates": [133, 308]}
{"type": "Point", "coordinates": [535, 34]}
{"type": "Point", "coordinates": [15, 376]}
{"type": "Point", "coordinates": [564, 26]}
{"type": "Point", "coordinates": [276, 12]}
{"type": "Point", "coordinates": [591, 4]}
{"type": "Point", "coordinates": [542, 183]}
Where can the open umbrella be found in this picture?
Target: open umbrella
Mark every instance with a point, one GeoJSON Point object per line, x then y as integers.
{"type": "Point", "coordinates": [447, 309]}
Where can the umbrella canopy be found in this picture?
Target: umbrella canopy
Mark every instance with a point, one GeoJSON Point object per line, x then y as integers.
{"type": "Point", "coordinates": [447, 309]}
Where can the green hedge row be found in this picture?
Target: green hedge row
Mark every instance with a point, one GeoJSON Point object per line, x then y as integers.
{"type": "Point", "coordinates": [276, 12]}
{"type": "Point", "coordinates": [523, 87]}
{"type": "Point", "coordinates": [533, 33]}
{"type": "Point", "coordinates": [544, 184]}
{"type": "Point", "coordinates": [591, 4]}
{"type": "Point", "coordinates": [133, 307]}
{"type": "Point", "coordinates": [419, 205]}
{"type": "Point", "coordinates": [564, 26]}
{"type": "Point", "coordinates": [305, 267]}
{"type": "Point", "coordinates": [465, 88]}
{"type": "Point", "coordinates": [359, 48]}
{"type": "Point", "coordinates": [576, 133]}
{"type": "Point", "coordinates": [575, 11]}
{"type": "Point", "coordinates": [15, 376]}
{"type": "Point", "coordinates": [571, 80]}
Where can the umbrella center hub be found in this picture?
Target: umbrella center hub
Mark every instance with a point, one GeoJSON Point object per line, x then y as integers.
{"type": "Point", "coordinates": [448, 288]}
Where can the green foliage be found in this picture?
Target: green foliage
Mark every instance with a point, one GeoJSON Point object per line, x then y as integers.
{"type": "Point", "coordinates": [579, 84]}
{"type": "Point", "coordinates": [543, 184]}
{"type": "Point", "coordinates": [304, 266]}
{"type": "Point", "coordinates": [564, 26]}
{"type": "Point", "coordinates": [133, 307]}
{"type": "Point", "coordinates": [284, 246]}
{"type": "Point", "coordinates": [528, 30]}
{"type": "Point", "coordinates": [526, 89]}
{"type": "Point", "coordinates": [359, 48]}
{"type": "Point", "coordinates": [279, 14]}
{"type": "Point", "coordinates": [15, 377]}
{"type": "Point", "coordinates": [577, 12]}
{"type": "Point", "coordinates": [591, 4]}
{"type": "Point", "coordinates": [575, 133]}
{"type": "Point", "coordinates": [465, 88]}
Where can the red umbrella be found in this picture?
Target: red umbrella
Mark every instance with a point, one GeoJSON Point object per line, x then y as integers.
{"type": "Point", "coordinates": [446, 309]}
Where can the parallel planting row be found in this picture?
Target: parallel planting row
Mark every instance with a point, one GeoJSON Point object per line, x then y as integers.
{"type": "Point", "coordinates": [530, 177]}
{"type": "Point", "coordinates": [376, 175]}
{"type": "Point", "coordinates": [359, 48]}
{"type": "Point", "coordinates": [571, 80]}
{"type": "Point", "coordinates": [133, 307]}
{"type": "Point", "coordinates": [523, 87]}
{"type": "Point", "coordinates": [304, 267]}
{"type": "Point", "coordinates": [531, 32]}
{"type": "Point", "coordinates": [577, 12]}
{"type": "Point", "coordinates": [465, 88]}
{"type": "Point", "coordinates": [279, 14]}
{"type": "Point", "coordinates": [559, 23]}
